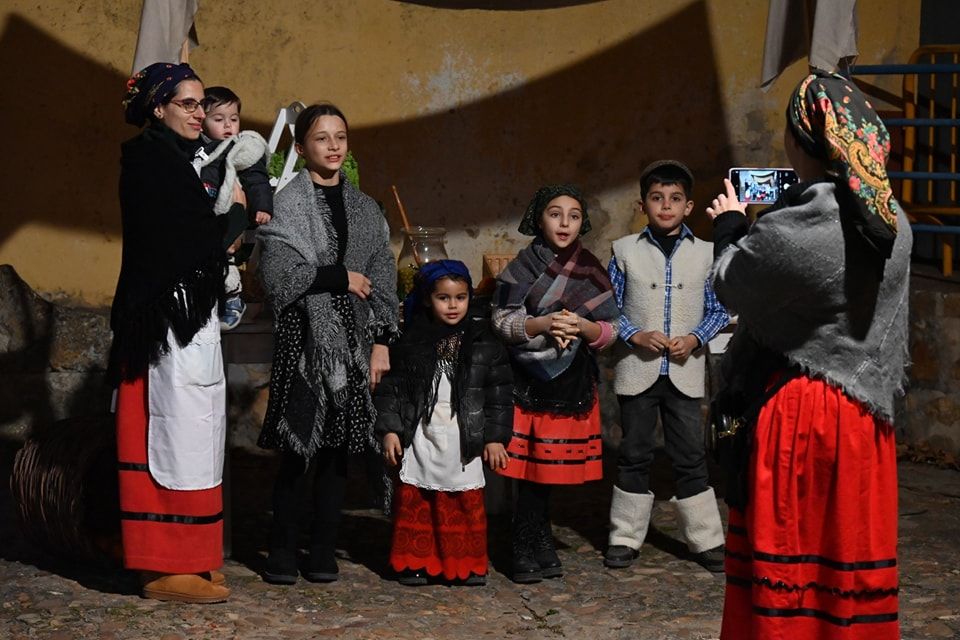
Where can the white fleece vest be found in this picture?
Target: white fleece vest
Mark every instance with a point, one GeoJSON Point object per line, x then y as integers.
{"type": "Point", "coordinates": [644, 293]}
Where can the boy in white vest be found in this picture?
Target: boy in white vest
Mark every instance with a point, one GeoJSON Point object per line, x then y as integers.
{"type": "Point", "coordinates": [669, 313]}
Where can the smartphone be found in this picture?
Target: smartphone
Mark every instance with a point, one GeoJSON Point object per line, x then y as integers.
{"type": "Point", "coordinates": [756, 185]}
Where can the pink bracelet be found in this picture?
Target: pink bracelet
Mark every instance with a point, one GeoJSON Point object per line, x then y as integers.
{"type": "Point", "coordinates": [606, 330]}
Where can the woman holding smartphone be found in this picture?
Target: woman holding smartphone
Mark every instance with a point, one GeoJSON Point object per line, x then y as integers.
{"type": "Point", "coordinates": [820, 284]}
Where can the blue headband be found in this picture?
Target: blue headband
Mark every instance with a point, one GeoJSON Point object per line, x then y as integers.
{"type": "Point", "coordinates": [426, 277]}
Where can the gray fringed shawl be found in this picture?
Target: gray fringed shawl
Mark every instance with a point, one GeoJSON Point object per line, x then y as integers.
{"type": "Point", "coordinates": [811, 290]}
{"type": "Point", "coordinates": [295, 243]}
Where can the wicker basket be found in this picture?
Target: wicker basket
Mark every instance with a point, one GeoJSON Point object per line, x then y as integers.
{"type": "Point", "coordinates": [65, 489]}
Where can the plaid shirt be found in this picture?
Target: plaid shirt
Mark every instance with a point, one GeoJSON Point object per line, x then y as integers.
{"type": "Point", "coordinates": [715, 317]}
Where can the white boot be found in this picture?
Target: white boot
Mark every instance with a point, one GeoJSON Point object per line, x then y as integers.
{"type": "Point", "coordinates": [700, 523]}
{"type": "Point", "coordinates": [629, 518]}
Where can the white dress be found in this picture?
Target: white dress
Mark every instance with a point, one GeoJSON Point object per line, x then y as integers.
{"type": "Point", "coordinates": [432, 461]}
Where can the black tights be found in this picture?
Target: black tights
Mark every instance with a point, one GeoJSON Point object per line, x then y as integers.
{"type": "Point", "coordinates": [533, 499]}
{"type": "Point", "coordinates": [328, 487]}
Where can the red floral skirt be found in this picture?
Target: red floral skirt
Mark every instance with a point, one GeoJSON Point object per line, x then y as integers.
{"type": "Point", "coordinates": [440, 532]}
{"type": "Point", "coordinates": [552, 449]}
{"type": "Point", "coordinates": [815, 553]}
{"type": "Point", "coordinates": [163, 530]}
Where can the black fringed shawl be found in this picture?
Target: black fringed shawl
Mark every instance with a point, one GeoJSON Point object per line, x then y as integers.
{"type": "Point", "coordinates": [171, 272]}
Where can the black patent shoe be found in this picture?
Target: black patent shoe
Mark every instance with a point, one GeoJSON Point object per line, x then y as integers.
{"type": "Point", "coordinates": [322, 566]}
{"type": "Point", "coordinates": [281, 567]}
{"type": "Point", "coordinates": [475, 580]}
{"type": "Point", "coordinates": [619, 556]}
{"type": "Point", "coordinates": [410, 578]}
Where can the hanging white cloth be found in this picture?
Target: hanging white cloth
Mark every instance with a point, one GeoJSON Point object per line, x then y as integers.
{"type": "Point", "coordinates": [823, 30]}
{"type": "Point", "coordinates": [432, 461]}
{"type": "Point", "coordinates": [187, 406]}
{"type": "Point", "coordinates": [165, 25]}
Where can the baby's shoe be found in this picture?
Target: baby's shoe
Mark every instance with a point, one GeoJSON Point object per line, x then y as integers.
{"type": "Point", "coordinates": [233, 311]}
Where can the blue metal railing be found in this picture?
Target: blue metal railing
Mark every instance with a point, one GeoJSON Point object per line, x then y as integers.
{"type": "Point", "coordinates": [900, 69]}
{"type": "Point", "coordinates": [920, 69]}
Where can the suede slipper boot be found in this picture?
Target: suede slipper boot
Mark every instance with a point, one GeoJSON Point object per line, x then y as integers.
{"type": "Point", "coordinates": [187, 587]}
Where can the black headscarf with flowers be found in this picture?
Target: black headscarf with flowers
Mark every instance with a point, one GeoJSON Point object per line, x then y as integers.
{"type": "Point", "coordinates": [151, 87]}
{"type": "Point", "coordinates": [834, 122]}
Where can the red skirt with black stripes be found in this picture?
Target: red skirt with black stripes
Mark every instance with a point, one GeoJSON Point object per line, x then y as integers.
{"type": "Point", "coordinates": [163, 530]}
{"type": "Point", "coordinates": [814, 555]}
{"type": "Point", "coordinates": [552, 449]}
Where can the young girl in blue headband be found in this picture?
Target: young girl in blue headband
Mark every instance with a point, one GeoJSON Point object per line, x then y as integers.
{"type": "Point", "coordinates": [444, 409]}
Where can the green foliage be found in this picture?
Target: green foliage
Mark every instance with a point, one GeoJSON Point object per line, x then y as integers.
{"type": "Point", "coordinates": [352, 169]}
{"type": "Point", "coordinates": [277, 159]}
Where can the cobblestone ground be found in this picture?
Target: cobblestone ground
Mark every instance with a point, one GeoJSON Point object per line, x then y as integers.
{"type": "Point", "coordinates": [663, 596]}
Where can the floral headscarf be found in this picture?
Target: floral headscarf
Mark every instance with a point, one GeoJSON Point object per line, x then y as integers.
{"type": "Point", "coordinates": [834, 122]}
{"type": "Point", "coordinates": [529, 225]}
{"type": "Point", "coordinates": [153, 86]}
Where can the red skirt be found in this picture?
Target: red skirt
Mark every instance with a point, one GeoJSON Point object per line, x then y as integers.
{"type": "Point", "coordinates": [552, 449]}
{"type": "Point", "coordinates": [815, 553]}
{"type": "Point", "coordinates": [163, 530]}
{"type": "Point", "coordinates": [440, 532]}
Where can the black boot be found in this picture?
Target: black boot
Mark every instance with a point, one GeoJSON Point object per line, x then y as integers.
{"type": "Point", "coordinates": [282, 559]}
{"type": "Point", "coordinates": [545, 551]}
{"type": "Point", "coordinates": [322, 564]}
{"type": "Point", "coordinates": [526, 570]}
{"type": "Point", "coordinates": [329, 483]}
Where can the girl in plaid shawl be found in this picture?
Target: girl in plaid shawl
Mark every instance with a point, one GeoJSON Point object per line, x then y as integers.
{"type": "Point", "coordinates": [554, 307]}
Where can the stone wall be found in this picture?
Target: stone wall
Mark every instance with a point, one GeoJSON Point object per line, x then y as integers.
{"type": "Point", "coordinates": [53, 357]}
{"type": "Point", "coordinates": [930, 413]}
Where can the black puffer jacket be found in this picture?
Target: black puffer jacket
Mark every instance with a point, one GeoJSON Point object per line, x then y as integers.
{"type": "Point", "coordinates": [483, 390]}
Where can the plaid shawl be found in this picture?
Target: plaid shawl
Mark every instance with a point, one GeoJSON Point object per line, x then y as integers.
{"type": "Point", "coordinates": [543, 282]}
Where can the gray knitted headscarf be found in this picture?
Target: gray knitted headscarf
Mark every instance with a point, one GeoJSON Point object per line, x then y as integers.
{"type": "Point", "coordinates": [530, 224]}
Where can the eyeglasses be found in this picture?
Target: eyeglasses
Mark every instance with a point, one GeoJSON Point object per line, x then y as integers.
{"type": "Point", "coordinates": [189, 105]}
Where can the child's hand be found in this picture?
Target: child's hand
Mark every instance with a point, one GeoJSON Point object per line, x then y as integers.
{"type": "Point", "coordinates": [682, 346]}
{"type": "Point", "coordinates": [651, 340]}
{"type": "Point", "coordinates": [495, 455]}
{"type": "Point", "coordinates": [567, 323]}
{"type": "Point", "coordinates": [262, 217]}
{"type": "Point", "coordinates": [726, 201]}
{"type": "Point", "coordinates": [392, 451]}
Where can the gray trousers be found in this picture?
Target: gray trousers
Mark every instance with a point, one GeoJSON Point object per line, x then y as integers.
{"type": "Point", "coordinates": [683, 437]}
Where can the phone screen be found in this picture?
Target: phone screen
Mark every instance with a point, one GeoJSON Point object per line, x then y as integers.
{"type": "Point", "coordinates": [761, 185]}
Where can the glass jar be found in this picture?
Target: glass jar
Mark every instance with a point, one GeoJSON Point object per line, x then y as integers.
{"type": "Point", "coordinates": [420, 246]}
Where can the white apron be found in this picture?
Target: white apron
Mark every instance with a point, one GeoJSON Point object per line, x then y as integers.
{"type": "Point", "coordinates": [432, 461]}
{"type": "Point", "coordinates": [187, 407]}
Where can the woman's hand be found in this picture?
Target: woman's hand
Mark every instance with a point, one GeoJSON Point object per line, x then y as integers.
{"type": "Point", "coordinates": [359, 285]}
{"type": "Point", "coordinates": [726, 202]}
{"type": "Point", "coordinates": [682, 346]}
{"type": "Point", "coordinates": [494, 455]}
{"type": "Point", "coordinates": [392, 451]}
{"type": "Point", "coordinates": [233, 248]}
{"type": "Point", "coordinates": [379, 364]}
{"type": "Point", "coordinates": [239, 196]}
{"type": "Point", "coordinates": [262, 217]}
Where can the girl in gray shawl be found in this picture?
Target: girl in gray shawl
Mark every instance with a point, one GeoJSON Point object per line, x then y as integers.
{"type": "Point", "coordinates": [330, 277]}
{"type": "Point", "coordinates": [820, 283]}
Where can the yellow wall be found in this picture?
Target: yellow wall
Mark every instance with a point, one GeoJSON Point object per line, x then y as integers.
{"type": "Point", "coordinates": [466, 111]}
